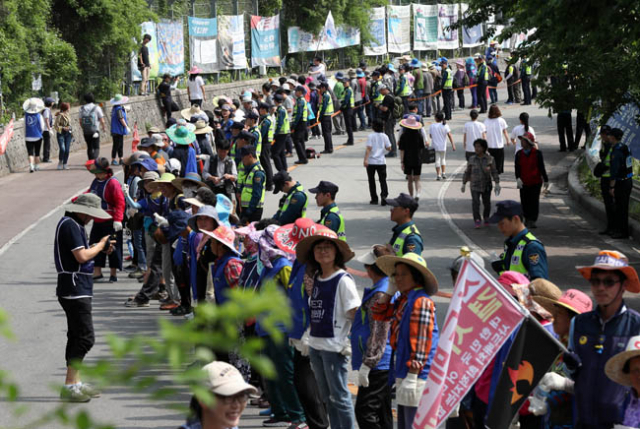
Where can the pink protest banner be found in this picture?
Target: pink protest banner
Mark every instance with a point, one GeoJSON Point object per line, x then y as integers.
{"type": "Point", "coordinates": [6, 137]}
{"type": "Point", "coordinates": [480, 319]}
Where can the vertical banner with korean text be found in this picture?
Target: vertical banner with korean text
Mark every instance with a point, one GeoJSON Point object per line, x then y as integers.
{"type": "Point", "coordinates": [481, 317]}
{"type": "Point", "coordinates": [625, 119]}
{"type": "Point", "coordinates": [170, 48]}
{"type": "Point", "coordinates": [399, 28]}
{"type": "Point", "coordinates": [203, 49]}
{"type": "Point", "coordinates": [378, 44]}
{"type": "Point", "coordinates": [231, 50]}
{"type": "Point", "coordinates": [447, 15]}
{"type": "Point", "coordinates": [425, 26]}
{"type": "Point", "coordinates": [265, 41]}
{"type": "Point", "coordinates": [471, 36]}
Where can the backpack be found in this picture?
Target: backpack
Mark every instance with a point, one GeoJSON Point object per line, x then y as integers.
{"type": "Point", "coordinates": [398, 108]}
{"type": "Point", "coordinates": [311, 153]}
{"type": "Point", "coordinates": [89, 120]}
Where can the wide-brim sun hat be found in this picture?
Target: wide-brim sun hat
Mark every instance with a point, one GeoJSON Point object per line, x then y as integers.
{"type": "Point", "coordinates": [181, 135]}
{"type": "Point", "coordinates": [571, 299]}
{"type": "Point", "coordinates": [118, 100]}
{"type": "Point", "coordinates": [225, 380]}
{"type": "Point", "coordinates": [225, 235]}
{"type": "Point", "coordinates": [388, 265]}
{"type": "Point", "coordinates": [195, 70]}
{"type": "Point", "coordinates": [156, 184]}
{"type": "Point", "coordinates": [411, 123]}
{"type": "Point", "coordinates": [615, 366]}
{"type": "Point", "coordinates": [188, 179]}
{"type": "Point", "coordinates": [202, 127]}
{"type": "Point", "coordinates": [191, 111]}
{"type": "Point", "coordinates": [204, 211]}
{"type": "Point", "coordinates": [33, 105]}
{"type": "Point", "coordinates": [149, 176]}
{"type": "Point", "coordinates": [288, 236]}
{"type": "Point", "coordinates": [370, 257]}
{"type": "Point", "coordinates": [89, 204]}
{"type": "Point", "coordinates": [611, 260]}
{"type": "Point", "coordinates": [305, 245]}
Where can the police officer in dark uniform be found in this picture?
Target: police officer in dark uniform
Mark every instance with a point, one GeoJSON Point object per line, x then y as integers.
{"type": "Point", "coordinates": [330, 215]}
{"type": "Point", "coordinates": [252, 186]}
{"type": "Point", "coordinates": [523, 252]}
{"type": "Point", "coordinates": [406, 237]}
{"type": "Point", "coordinates": [293, 205]}
{"type": "Point", "coordinates": [621, 182]}
{"type": "Point", "coordinates": [603, 171]}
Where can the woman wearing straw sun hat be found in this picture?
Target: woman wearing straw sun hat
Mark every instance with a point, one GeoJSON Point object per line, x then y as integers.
{"type": "Point", "coordinates": [183, 137]}
{"type": "Point", "coordinates": [34, 126]}
{"type": "Point", "coordinates": [119, 127]}
{"type": "Point", "coordinates": [624, 369]}
{"type": "Point", "coordinates": [333, 303]}
{"type": "Point", "coordinates": [414, 330]}
{"type": "Point", "coordinates": [410, 144]}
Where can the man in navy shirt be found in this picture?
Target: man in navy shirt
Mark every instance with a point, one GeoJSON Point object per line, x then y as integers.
{"type": "Point", "coordinates": [74, 264]}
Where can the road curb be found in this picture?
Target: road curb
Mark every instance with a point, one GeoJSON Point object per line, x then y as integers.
{"type": "Point", "coordinates": [591, 204]}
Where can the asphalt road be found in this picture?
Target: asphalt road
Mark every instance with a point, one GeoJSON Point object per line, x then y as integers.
{"type": "Point", "coordinates": [36, 358]}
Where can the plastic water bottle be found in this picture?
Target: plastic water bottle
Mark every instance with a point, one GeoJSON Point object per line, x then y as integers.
{"type": "Point", "coordinates": [538, 402]}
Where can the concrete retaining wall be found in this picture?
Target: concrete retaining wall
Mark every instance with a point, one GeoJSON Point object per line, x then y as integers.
{"type": "Point", "coordinates": [144, 110]}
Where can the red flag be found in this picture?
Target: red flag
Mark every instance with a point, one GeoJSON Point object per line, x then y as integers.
{"type": "Point", "coordinates": [136, 138]}
{"type": "Point", "coordinates": [5, 137]}
{"type": "Point", "coordinates": [481, 317]}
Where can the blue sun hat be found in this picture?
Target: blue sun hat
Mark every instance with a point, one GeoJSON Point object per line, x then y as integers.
{"type": "Point", "coordinates": [391, 67]}
{"type": "Point", "coordinates": [180, 134]}
{"type": "Point", "coordinates": [415, 63]}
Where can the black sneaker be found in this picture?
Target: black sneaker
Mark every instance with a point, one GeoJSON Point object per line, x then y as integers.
{"type": "Point", "coordinates": [373, 202]}
{"type": "Point", "coordinates": [275, 423]}
{"type": "Point", "coordinates": [181, 311]}
{"type": "Point", "coordinates": [134, 303]}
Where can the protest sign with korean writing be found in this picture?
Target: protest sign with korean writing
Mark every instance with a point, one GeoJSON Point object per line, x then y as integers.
{"type": "Point", "coordinates": [481, 317]}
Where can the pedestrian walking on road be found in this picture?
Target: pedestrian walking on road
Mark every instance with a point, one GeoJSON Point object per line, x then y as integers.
{"type": "Point", "coordinates": [91, 122]}
{"type": "Point", "coordinates": [64, 136]}
{"type": "Point", "coordinates": [119, 127]}
{"type": "Point", "coordinates": [386, 114]}
{"type": "Point", "coordinates": [414, 329]}
{"type": "Point", "coordinates": [73, 258]}
{"type": "Point", "coordinates": [439, 133]}
{"type": "Point", "coordinates": [473, 130]}
{"type": "Point", "coordinates": [33, 133]}
{"type": "Point", "coordinates": [482, 173]}
{"type": "Point", "coordinates": [410, 145]}
{"type": "Point", "coordinates": [521, 129]}
{"type": "Point", "coordinates": [333, 301]}
{"type": "Point", "coordinates": [378, 145]}
{"type": "Point", "coordinates": [531, 176]}
{"type": "Point", "coordinates": [496, 136]}
{"type": "Point", "coordinates": [47, 133]}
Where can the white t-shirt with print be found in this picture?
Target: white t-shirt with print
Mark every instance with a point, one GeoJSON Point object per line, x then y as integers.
{"type": "Point", "coordinates": [195, 88]}
{"type": "Point", "coordinates": [517, 132]}
{"type": "Point", "coordinates": [474, 131]}
{"type": "Point", "coordinates": [347, 298]}
{"type": "Point", "coordinates": [379, 144]}
{"type": "Point", "coordinates": [495, 128]}
{"type": "Point", "coordinates": [438, 134]}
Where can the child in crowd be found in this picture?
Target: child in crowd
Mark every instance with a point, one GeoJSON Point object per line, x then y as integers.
{"type": "Point", "coordinates": [378, 145]}
{"type": "Point", "coordinates": [439, 133]}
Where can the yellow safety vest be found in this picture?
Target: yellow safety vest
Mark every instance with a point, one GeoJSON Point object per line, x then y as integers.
{"type": "Point", "coordinates": [398, 244]}
{"type": "Point", "coordinates": [247, 188]}
{"type": "Point", "coordinates": [329, 110]}
{"type": "Point", "coordinates": [304, 110]}
{"type": "Point", "coordinates": [256, 132]}
{"type": "Point", "coordinates": [516, 264]}
{"type": "Point", "coordinates": [285, 206]}
{"type": "Point", "coordinates": [342, 235]}
{"type": "Point", "coordinates": [350, 101]}
{"type": "Point", "coordinates": [379, 97]}
{"type": "Point", "coordinates": [607, 163]}
{"type": "Point", "coordinates": [448, 84]}
{"type": "Point", "coordinates": [406, 90]}
{"type": "Point", "coordinates": [286, 125]}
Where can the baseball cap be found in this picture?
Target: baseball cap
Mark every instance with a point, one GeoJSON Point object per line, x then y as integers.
{"type": "Point", "coordinates": [616, 133]}
{"type": "Point", "coordinates": [507, 208]}
{"type": "Point", "coordinates": [605, 129]}
{"type": "Point", "coordinates": [323, 187]}
{"type": "Point", "coordinates": [403, 200]}
{"type": "Point", "coordinates": [225, 380]}
{"type": "Point", "coordinates": [302, 89]}
{"type": "Point", "coordinates": [237, 126]}
{"type": "Point", "coordinates": [278, 98]}
{"type": "Point", "coordinates": [278, 180]}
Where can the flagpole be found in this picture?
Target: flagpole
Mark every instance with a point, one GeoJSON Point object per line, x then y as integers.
{"type": "Point", "coordinates": [320, 39]}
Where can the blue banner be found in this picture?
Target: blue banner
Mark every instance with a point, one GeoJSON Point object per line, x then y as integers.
{"type": "Point", "coordinates": [265, 41]}
{"type": "Point", "coordinates": [203, 44]}
{"type": "Point", "coordinates": [625, 119]}
{"type": "Point", "coordinates": [203, 27]}
{"type": "Point", "coordinates": [170, 48]}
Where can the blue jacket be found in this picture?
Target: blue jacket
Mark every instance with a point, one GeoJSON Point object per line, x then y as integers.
{"type": "Point", "coordinates": [266, 275]}
{"type": "Point", "coordinates": [116, 126]}
{"type": "Point", "coordinates": [599, 401]}
{"type": "Point", "coordinates": [621, 164]}
{"type": "Point", "coordinates": [299, 301]}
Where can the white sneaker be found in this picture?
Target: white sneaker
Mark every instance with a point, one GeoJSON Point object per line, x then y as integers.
{"type": "Point", "coordinates": [31, 169]}
{"type": "Point", "coordinates": [66, 167]}
{"type": "Point", "coordinates": [60, 166]}
{"type": "Point", "coordinates": [37, 167]}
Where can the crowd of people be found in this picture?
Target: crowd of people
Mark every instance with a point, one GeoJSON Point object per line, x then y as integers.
{"type": "Point", "coordinates": [192, 205]}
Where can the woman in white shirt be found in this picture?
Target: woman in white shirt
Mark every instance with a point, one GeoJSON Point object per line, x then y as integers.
{"type": "Point", "coordinates": [378, 145]}
{"type": "Point", "coordinates": [195, 87]}
{"type": "Point", "coordinates": [519, 130]}
{"type": "Point", "coordinates": [473, 130]}
{"type": "Point", "coordinates": [333, 302]}
{"type": "Point", "coordinates": [496, 136]}
{"type": "Point", "coordinates": [439, 132]}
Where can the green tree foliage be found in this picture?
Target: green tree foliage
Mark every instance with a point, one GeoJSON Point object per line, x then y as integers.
{"type": "Point", "coordinates": [597, 40]}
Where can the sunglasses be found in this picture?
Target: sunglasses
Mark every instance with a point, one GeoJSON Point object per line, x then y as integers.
{"type": "Point", "coordinates": [607, 282]}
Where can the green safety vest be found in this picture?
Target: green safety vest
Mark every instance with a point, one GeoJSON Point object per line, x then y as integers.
{"type": "Point", "coordinates": [486, 71]}
{"type": "Point", "coordinates": [256, 132]}
{"type": "Point", "coordinates": [379, 97]}
{"type": "Point", "coordinates": [342, 235]}
{"type": "Point", "coordinates": [285, 206]}
{"type": "Point", "coordinates": [272, 128]}
{"type": "Point", "coordinates": [527, 69]}
{"type": "Point", "coordinates": [448, 84]}
{"type": "Point", "coordinates": [516, 264]}
{"type": "Point", "coordinates": [305, 113]}
{"type": "Point", "coordinates": [350, 101]}
{"type": "Point", "coordinates": [329, 110]}
{"type": "Point", "coordinates": [607, 163]}
{"type": "Point", "coordinates": [406, 90]}
{"type": "Point", "coordinates": [398, 244]}
{"type": "Point", "coordinates": [286, 125]}
{"type": "Point", "coordinates": [247, 188]}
